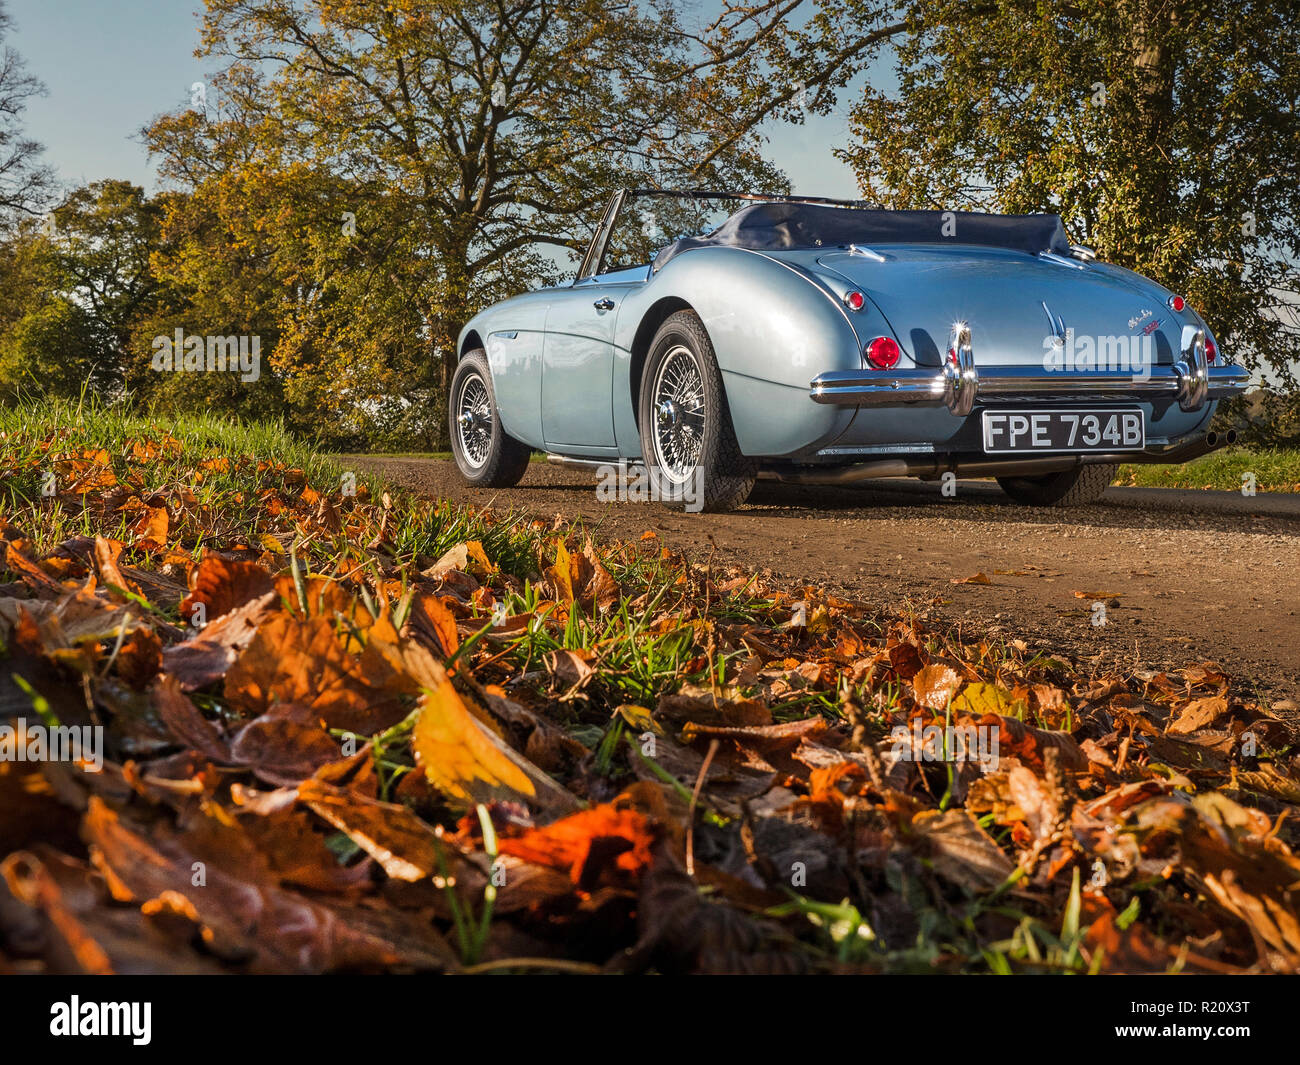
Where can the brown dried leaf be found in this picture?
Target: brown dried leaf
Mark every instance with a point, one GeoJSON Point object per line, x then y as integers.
{"type": "Point", "coordinates": [391, 834]}
{"type": "Point", "coordinates": [222, 585]}
{"type": "Point", "coordinates": [245, 914]}
{"type": "Point", "coordinates": [296, 661]}
{"type": "Point", "coordinates": [205, 658]}
{"type": "Point", "coordinates": [1198, 714]}
{"type": "Point", "coordinates": [935, 685]}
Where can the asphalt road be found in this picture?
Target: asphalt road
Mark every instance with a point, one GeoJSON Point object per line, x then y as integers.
{"type": "Point", "coordinates": [1188, 576]}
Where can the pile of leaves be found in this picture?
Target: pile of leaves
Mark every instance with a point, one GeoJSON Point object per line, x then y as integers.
{"type": "Point", "coordinates": [351, 732]}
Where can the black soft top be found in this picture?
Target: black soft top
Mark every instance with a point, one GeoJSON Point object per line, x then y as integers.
{"type": "Point", "coordinates": [778, 226]}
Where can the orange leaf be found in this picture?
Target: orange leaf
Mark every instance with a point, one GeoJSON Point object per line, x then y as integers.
{"type": "Point", "coordinates": [588, 844]}
{"type": "Point", "coordinates": [431, 619]}
{"type": "Point", "coordinates": [106, 552]}
{"type": "Point", "coordinates": [152, 528]}
{"type": "Point", "coordinates": [222, 585]}
{"type": "Point", "coordinates": [1198, 714]}
{"type": "Point", "coordinates": [602, 587]}
{"type": "Point", "coordinates": [934, 686]}
{"type": "Point", "coordinates": [302, 661]}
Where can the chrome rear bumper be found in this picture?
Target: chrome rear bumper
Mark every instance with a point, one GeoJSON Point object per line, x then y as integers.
{"type": "Point", "coordinates": [959, 383]}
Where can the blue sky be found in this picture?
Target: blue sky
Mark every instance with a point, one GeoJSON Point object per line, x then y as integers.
{"type": "Point", "coordinates": [112, 65]}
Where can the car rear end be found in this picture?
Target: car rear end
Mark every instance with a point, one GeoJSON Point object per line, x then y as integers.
{"type": "Point", "coordinates": [994, 359]}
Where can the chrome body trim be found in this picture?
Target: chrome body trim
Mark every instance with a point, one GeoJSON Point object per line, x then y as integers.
{"type": "Point", "coordinates": [960, 378]}
{"type": "Point", "coordinates": [1061, 260]}
{"type": "Point", "coordinates": [959, 382]}
{"type": "Point", "coordinates": [868, 253]}
{"type": "Point", "coordinates": [1193, 371]}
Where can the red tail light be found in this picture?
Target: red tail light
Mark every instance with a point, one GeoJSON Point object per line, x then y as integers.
{"type": "Point", "coordinates": [1211, 350]}
{"type": "Point", "coordinates": [882, 353]}
{"type": "Point", "coordinates": [1177, 302]}
{"type": "Point", "coordinates": [855, 300]}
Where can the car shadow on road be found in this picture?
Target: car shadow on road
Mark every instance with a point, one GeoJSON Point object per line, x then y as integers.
{"type": "Point", "coordinates": [985, 501]}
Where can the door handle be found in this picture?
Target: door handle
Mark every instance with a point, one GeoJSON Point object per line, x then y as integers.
{"type": "Point", "coordinates": [604, 304]}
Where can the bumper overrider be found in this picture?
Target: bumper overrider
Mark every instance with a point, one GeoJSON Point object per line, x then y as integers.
{"type": "Point", "coordinates": [957, 386]}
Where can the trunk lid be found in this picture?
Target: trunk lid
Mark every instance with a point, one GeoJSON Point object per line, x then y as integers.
{"type": "Point", "coordinates": [1014, 303]}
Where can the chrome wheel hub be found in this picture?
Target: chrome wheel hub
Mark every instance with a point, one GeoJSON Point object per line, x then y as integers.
{"type": "Point", "coordinates": [678, 398]}
{"type": "Point", "coordinates": [474, 420]}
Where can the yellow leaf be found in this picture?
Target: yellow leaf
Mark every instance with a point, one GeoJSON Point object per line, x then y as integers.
{"type": "Point", "coordinates": [819, 623]}
{"type": "Point", "coordinates": [468, 557]}
{"type": "Point", "coordinates": [980, 698]}
{"type": "Point", "coordinates": [639, 718]}
{"type": "Point", "coordinates": [457, 754]}
{"type": "Point", "coordinates": [271, 544]}
{"type": "Point", "coordinates": [482, 564]}
{"type": "Point", "coordinates": [559, 573]}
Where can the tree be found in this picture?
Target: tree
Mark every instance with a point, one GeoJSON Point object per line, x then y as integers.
{"type": "Point", "coordinates": [368, 173]}
{"type": "Point", "coordinates": [75, 288]}
{"type": "Point", "coordinates": [1165, 132]}
{"type": "Point", "coordinates": [48, 344]}
{"type": "Point", "coordinates": [25, 183]}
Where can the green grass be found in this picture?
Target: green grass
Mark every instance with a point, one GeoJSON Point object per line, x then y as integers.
{"type": "Point", "coordinates": [670, 626]}
{"type": "Point", "coordinates": [1274, 470]}
{"type": "Point", "coordinates": [224, 482]}
{"type": "Point", "coordinates": [60, 437]}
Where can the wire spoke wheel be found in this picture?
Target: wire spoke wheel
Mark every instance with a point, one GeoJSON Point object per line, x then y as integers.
{"type": "Point", "coordinates": [474, 420]}
{"type": "Point", "coordinates": [485, 452]}
{"type": "Point", "coordinates": [684, 424]}
{"type": "Point", "coordinates": [678, 405]}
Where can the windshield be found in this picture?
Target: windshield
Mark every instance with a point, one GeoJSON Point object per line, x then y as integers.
{"type": "Point", "coordinates": [648, 223]}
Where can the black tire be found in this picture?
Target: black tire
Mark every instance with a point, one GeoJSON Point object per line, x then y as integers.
{"type": "Point", "coordinates": [1068, 488]}
{"type": "Point", "coordinates": [727, 475]}
{"type": "Point", "coordinates": [490, 459]}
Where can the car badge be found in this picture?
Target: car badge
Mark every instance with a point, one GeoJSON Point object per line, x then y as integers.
{"type": "Point", "coordinates": [1057, 326]}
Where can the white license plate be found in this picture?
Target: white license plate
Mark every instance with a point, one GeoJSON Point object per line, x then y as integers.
{"type": "Point", "coordinates": [1063, 430]}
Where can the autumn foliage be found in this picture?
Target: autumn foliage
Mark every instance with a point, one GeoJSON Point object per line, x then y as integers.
{"type": "Point", "coordinates": [325, 749]}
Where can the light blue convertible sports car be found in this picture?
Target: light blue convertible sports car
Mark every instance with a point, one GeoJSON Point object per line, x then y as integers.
{"type": "Point", "coordinates": [826, 341]}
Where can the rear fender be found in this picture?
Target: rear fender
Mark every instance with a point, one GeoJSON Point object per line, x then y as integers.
{"type": "Point", "coordinates": [773, 327]}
